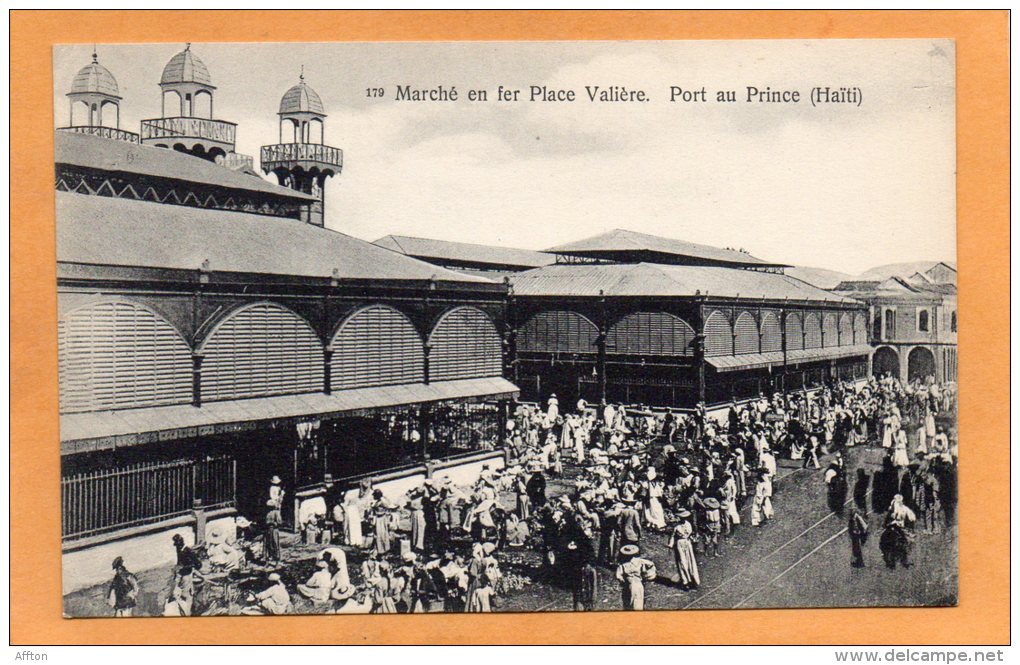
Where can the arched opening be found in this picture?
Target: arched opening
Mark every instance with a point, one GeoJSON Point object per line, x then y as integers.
{"type": "Point", "coordinates": [288, 131]}
{"type": "Point", "coordinates": [889, 330]}
{"type": "Point", "coordinates": [79, 114]}
{"type": "Point", "coordinates": [376, 346]}
{"type": "Point", "coordinates": [885, 362]}
{"type": "Point", "coordinates": [119, 354]}
{"type": "Point", "coordinates": [558, 331]}
{"type": "Point", "coordinates": [771, 334]}
{"type": "Point", "coordinates": [465, 345]}
{"type": "Point", "coordinates": [846, 329]}
{"type": "Point", "coordinates": [812, 332]}
{"type": "Point", "coordinates": [830, 333]}
{"type": "Point", "coordinates": [202, 105]}
{"type": "Point", "coordinates": [794, 332]}
{"type": "Point", "coordinates": [259, 350]}
{"type": "Point", "coordinates": [649, 334]}
{"type": "Point", "coordinates": [746, 335]}
{"type": "Point", "coordinates": [923, 323]}
{"type": "Point", "coordinates": [718, 335]}
{"type": "Point", "coordinates": [109, 114]}
{"type": "Point", "coordinates": [920, 364]}
{"type": "Point", "coordinates": [171, 104]}
{"type": "Point", "coordinates": [316, 131]}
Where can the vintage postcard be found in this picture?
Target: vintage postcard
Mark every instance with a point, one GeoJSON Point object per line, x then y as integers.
{"type": "Point", "coordinates": [375, 328]}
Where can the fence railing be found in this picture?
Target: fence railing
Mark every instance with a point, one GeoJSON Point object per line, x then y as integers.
{"type": "Point", "coordinates": [98, 502]}
{"type": "Point", "coordinates": [105, 132]}
{"type": "Point", "coordinates": [196, 128]}
{"type": "Point", "coordinates": [301, 152]}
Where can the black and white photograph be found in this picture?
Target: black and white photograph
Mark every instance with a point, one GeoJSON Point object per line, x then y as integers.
{"type": "Point", "coordinates": [469, 327]}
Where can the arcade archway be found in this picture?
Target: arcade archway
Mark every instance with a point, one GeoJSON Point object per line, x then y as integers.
{"type": "Point", "coordinates": [920, 363]}
{"type": "Point", "coordinates": [885, 361]}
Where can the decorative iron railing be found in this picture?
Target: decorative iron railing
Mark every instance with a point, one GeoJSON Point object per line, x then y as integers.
{"type": "Point", "coordinates": [238, 161]}
{"type": "Point", "coordinates": [220, 131]}
{"type": "Point", "coordinates": [98, 502]}
{"type": "Point", "coordinates": [302, 152]}
{"type": "Point", "coordinates": [105, 132]}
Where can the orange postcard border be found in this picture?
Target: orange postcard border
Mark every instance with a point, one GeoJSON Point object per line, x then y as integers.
{"type": "Point", "coordinates": [982, 43]}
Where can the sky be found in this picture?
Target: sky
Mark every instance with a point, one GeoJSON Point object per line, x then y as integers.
{"type": "Point", "coordinates": [838, 186]}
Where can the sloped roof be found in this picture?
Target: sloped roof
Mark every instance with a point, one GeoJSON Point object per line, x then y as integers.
{"type": "Point", "coordinates": [648, 279]}
{"type": "Point", "coordinates": [93, 77]}
{"type": "Point", "coordinates": [96, 152]}
{"type": "Point", "coordinates": [185, 67]}
{"type": "Point", "coordinates": [98, 230]}
{"type": "Point", "coordinates": [465, 253]}
{"type": "Point", "coordinates": [301, 98]}
{"type": "Point", "coordinates": [621, 244]}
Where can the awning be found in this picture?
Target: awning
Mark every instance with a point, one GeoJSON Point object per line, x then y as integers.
{"type": "Point", "coordinates": [829, 353]}
{"type": "Point", "coordinates": [99, 430]}
{"type": "Point", "coordinates": [745, 361]}
{"type": "Point", "coordinates": [775, 358]}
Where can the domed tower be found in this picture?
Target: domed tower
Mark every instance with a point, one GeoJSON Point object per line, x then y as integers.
{"type": "Point", "coordinates": [95, 103]}
{"type": "Point", "coordinates": [187, 124]}
{"type": "Point", "coordinates": [302, 160]}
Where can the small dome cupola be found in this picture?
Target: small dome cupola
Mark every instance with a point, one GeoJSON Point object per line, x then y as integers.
{"type": "Point", "coordinates": [302, 160]}
{"type": "Point", "coordinates": [185, 67]}
{"type": "Point", "coordinates": [187, 87]}
{"type": "Point", "coordinates": [187, 123]}
{"type": "Point", "coordinates": [302, 99]}
{"type": "Point", "coordinates": [94, 91]}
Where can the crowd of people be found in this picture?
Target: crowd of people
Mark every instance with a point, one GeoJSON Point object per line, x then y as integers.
{"type": "Point", "coordinates": [628, 472]}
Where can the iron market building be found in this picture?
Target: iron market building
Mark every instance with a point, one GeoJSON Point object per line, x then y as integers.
{"type": "Point", "coordinates": [213, 334]}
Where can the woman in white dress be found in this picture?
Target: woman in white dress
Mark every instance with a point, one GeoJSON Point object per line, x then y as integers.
{"type": "Point", "coordinates": [654, 515]}
{"type": "Point", "coordinates": [899, 458]}
{"type": "Point", "coordinates": [352, 521]}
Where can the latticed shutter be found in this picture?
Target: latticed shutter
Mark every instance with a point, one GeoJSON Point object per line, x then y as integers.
{"type": "Point", "coordinates": [794, 333]}
{"type": "Point", "coordinates": [117, 355]}
{"type": "Point", "coordinates": [465, 345]}
{"type": "Point", "coordinates": [650, 333]}
{"type": "Point", "coordinates": [376, 346]}
{"type": "Point", "coordinates": [812, 332]}
{"type": "Point", "coordinates": [262, 349]}
{"type": "Point", "coordinates": [830, 333]}
{"type": "Point", "coordinates": [771, 333]}
{"type": "Point", "coordinates": [558, 332]}
{"type": "Point", "coordinates": [846, 329]}
{"type": "Point", "coordinates": [860, 329]}
{"type": "Point", "coordinates": [746, 334]}
{"type": "Point", "coordinates": [718, 336]}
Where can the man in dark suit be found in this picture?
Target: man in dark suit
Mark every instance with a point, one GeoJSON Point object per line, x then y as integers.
{"type": "Point", "coordinates": [629, 522]}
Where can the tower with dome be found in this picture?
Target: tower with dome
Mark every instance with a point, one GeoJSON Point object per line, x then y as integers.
{"type": "Point", "coordinates": [301, 160]}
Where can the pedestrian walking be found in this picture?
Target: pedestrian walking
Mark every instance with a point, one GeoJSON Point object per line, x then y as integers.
{"type": "Point", "coordinates": [632, 573]}
{"type": "Point", "coordinates": [858, 530]}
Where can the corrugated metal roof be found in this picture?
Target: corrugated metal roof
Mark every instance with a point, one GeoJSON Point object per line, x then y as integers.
{"type": "Point", "coordinates": [650, 279]}
{"type": "Point", "coordinates": [828, 353]}
{"type": "Point", "coordinates": [120, 232]}
{"type": "Point", "coordinates": [624, 242]}
{"type": "Point", "coordinates": [174, 421]}
{"type": "Point", "coordinates": [429, 248]}
{"type": "Point", "coordinates": [95, 152]}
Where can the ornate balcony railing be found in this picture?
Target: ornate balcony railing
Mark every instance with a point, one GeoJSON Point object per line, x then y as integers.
{"type": "Point", "coordinates": [219, 131]}
{"type": "Point", "coordinates": [105, 132]}
{"type": "Point", "coordinates": [238, 162]}
{"type": "Point", "coordinates": [301, 152]}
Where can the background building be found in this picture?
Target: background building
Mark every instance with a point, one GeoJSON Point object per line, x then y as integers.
{"type": "Point", "coordinates": [914, 322]}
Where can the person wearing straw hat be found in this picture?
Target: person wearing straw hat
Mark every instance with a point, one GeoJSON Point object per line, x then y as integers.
{"type": "Point", "coordinates": [123, 592]}
{"type": "Point", "coordinates": [680, 542]}
{"type": "Point", "coordinates": [273, 600]}
{"type": "Point", "coordinates": [629, 521]}
{"type": "Point", "coordinates": [319, 585]}
{"type": "Point", "coordinates": [632, 573]}
{"type": "Point", "coordinates": [712, 526]}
